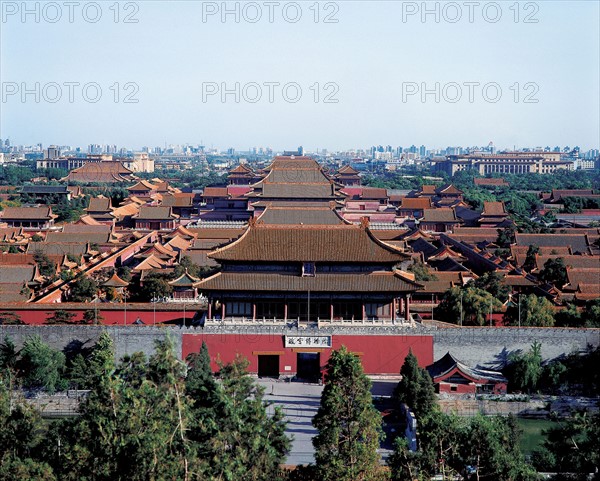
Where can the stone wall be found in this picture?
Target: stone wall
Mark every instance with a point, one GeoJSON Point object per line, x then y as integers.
{"type": "Point", "coordinates": [127, 339]}
{"type": "Point", "coordinates": [490, 347]}
{"type": "Point", "coordinates": [483, 347]}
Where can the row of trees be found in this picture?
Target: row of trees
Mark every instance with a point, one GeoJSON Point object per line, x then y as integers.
{"type": "Point", "coordinates": [574, 374]}
{"type": "Point", "coordinates": [159, 418]}
{"type": "Point", "coordinates": [149, 419]}
{"type": "Point", "coordinates": [475, 448]}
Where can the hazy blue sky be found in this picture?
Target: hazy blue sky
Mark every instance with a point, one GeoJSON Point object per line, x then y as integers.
{"type": "Point", "coordinates": [370, 53]}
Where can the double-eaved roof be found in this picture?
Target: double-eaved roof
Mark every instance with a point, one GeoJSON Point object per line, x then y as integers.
{"type": "Point", "coordinates": [323, 282]}
{"type": "Point", "coordinates": [301, 243]}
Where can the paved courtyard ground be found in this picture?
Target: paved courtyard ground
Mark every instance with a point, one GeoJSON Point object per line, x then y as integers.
{"type": "Point", "coordinates": [300, 402]}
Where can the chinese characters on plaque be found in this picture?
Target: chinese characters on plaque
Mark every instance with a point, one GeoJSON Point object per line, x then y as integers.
{"type": "Point", "coordinates": [308, 341]}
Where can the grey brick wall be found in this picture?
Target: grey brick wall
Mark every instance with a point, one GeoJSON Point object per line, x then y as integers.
{"type": "Point", "coordinates": [483, 347]}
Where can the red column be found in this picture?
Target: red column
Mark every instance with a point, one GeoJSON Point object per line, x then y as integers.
{"type": "Point", "coordinates": [407, 307]}
{"type": "Point", "coordinates": [209, 309]}
{"type": "Point", "coordinates": [364, 312]}
{"type": "Point", "coordinates": [285, 311]}
{"type": "Point", "coordinates": [331, 311]}
{"type": "Point", "coordinates": [223, 311]}
{"type": "Point", "coordinates": [394, 309]}
{"type": "Point", "coordinates": [254, 311]}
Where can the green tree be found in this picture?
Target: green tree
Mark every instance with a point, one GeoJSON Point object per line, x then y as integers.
{"type": "Point", "coordinates": [554, 272]}
{"type": "Point", "coordinates": [476, 306]}
{"type": "Point", "coordinates": [92, 316]}
{"type": "Point", "coordinates": [535, 312]}
{"type": "Point", "coordinates": [41, 366]}
{"type": "Point", "coordinates": [524, 370]}
{"type": "Point", "coordinates": [415, 389]}
{"type": "Point", "coordinates": [506, 236]}
{"type": "Point", "coordinates": [349, 427]}
{"type": "Point", "coordinates": [421, 272]}
{"type": "Point", "coordinates": [9, 355]}
{"type": "Point", "coordinates": [492, 282]}
{"type": "Point", "coordinates": [155, 285]}
{"type": "Point", "coordinates": [83, 289]}
{"type": "Point", "coordinates": [530, 258]}
{"type": "Point", "coordinates": [200, 383]}
{"type": "Point", "coordinates": [248, 444]}
{"type": "Point", "coordinates": [572, 447]}
{"type": "Point", "coordinates": [46, 266]}
{"type": "Point", "coordinates": [21, 435]}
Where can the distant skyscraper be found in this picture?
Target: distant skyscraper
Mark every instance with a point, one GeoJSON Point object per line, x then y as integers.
{"type": "Point", "coordinates": [52, 152]}
{"type": "Point", "coordinates": [422, 151]}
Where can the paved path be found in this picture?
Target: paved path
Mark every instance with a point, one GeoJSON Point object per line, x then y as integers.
{"type": "Point", "coordinates": [300, 402]}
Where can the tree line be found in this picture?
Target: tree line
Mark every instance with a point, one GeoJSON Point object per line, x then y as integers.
{"type": "Point", "coordinates": [159, 418]}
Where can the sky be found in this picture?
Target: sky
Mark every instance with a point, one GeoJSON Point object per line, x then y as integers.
{"type": "Point", "coordinates": [336, 75]}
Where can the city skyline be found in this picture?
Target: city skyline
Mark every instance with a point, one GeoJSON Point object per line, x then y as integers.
{"type": "Point", "coordinates": [369, 72]}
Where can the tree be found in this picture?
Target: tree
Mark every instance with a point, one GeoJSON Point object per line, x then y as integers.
{"type": "Point", "coordinates": [554, 272]}
{"type": "Point", "coordinates": [476, 306]}
{"type": "Point", "coordinates": [20, 438]}
{"type": "Point", "coordinates": [248, 444]}
{"type": "Point", "coordinates": [530, 258]}
{"type": "Point", "coordinates": [415, 389]}
{"type": "Point", "coordinates": [124, 273]}
{"type": "Point", "coordinates": [46, 266]}
{"type": "Point", "coordinates": [506, 236]}
{"type": "Point", "coordinates": [155, 285]}
{"type": "Point", "coordinates": [8, 354]}
{"type": "Point", "coordinates": [535, 312]}
{"type": "Point", "coordinates": [524, 370]}
{"type": "Point", "coordinates": [83, 289]}
{"type": "Point", "coordinates": [42, 366]}
{"type": "Point", "coordinates": [421, 272]}
{"type": "Point", "coordinates": [200, 383]}
{"type": "Point", "coordinates": [573, 446]}
{"type": "Point", "coordinates": [349, 427]}
{"type": "Point", "coordinates": [492, 283]}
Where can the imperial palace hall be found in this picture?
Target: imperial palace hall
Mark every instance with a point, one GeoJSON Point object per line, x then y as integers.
{"type": "Point", "coordinates": [300, 260]}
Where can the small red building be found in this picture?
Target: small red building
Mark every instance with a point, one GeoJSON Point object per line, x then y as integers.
{"type": "Point", "coordinates": [452, 376]}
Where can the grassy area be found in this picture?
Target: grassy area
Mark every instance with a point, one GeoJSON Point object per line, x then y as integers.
{"type": "Point", "coordinates": [532, 436]}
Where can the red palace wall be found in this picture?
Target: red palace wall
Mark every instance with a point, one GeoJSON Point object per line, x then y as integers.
{"type": "Point", "coordinates": [379, 354]}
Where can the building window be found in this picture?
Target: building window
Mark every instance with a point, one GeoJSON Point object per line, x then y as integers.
{"type": "Point", "coordinates": [308, 269]}
{"type": "Point", "coordinates": [453, 388]}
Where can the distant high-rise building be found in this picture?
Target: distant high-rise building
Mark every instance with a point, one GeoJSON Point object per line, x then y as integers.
{"type": "Point", "coordinates": [52, 152]}
{"type": "Point", "coordinates": [422, 151]}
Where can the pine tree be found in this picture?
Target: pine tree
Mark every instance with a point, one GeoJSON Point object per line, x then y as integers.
{"type": "Point", "coordinates": [249, 444]}
{"type": "Point", "coordinates": [416, 388]}
{"type": "Point", "coordinates": [349, 425]}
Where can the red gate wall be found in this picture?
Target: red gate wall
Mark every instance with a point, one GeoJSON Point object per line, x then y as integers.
{"type": "Point", "coordinates": [379, 354]}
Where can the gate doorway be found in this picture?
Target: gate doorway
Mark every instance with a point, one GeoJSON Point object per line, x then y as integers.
{"type": "Point", "coordinates": [268, 365]}
{"type": "Point", "coordinates": [309, 366]}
